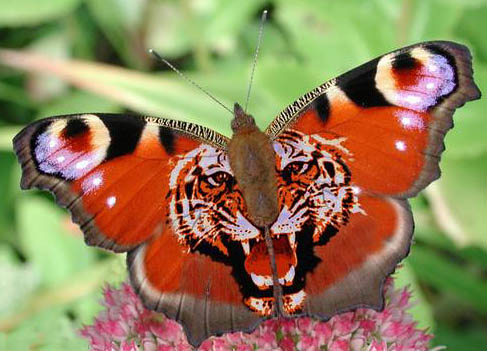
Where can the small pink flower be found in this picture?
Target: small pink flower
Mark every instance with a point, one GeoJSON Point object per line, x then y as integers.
{"type": "Point", "coordinates": [378, 346]}
{"type": "Point", "coordinates": [308, 342]}
{"type": "Point", "coordinates": [287, 343]}
{"type": "Point", "coordinates": [126, 325]}
{"type": "Point", "coordinates": [367, 326]}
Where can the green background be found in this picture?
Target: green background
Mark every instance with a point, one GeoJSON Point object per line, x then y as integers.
{"type": "Point", "coordinates": [67, 56]}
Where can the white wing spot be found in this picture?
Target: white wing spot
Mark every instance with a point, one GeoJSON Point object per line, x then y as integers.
{"type": "Point", "coordinates": [111, 201]}
{"type": "Point", "coordinates": [406, 121]}
{"type": "Point", "coordinates": [412, 99]}
{"type": "Point", "coordinates": [97, 181]}
{"type": "Point", "coordinates": [82, 164]}
{"type": "Point", "coordinates": [400, 145]}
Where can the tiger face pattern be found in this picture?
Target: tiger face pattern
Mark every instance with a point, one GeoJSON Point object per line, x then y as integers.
{"type": "Point", "coordinates": [207, 214]}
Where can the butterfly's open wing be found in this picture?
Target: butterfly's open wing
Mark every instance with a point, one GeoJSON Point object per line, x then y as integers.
{"type": "Point", "coordinates": [144, 185]}
{"type": "Point", "coordinates": [350, 153]}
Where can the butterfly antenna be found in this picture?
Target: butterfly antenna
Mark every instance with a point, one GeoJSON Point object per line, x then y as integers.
{"type": "Point", "coordinates": [259, 39]}
{"type": "Point", "coordinates": [160, 58]}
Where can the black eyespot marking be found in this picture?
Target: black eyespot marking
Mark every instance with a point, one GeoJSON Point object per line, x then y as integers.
{"type": "Point", "coordinates": [125, 132]}
{"type": "Point", "coordinates": [167, 138]}
{"type": "Point", "coordinates": [322, 106]}
{"type": "Point", "coordinates": [404, 61]}
{"type": "Point", "coordinates": [75, 126]}
{"type": "Point", "coordinates": [359, 86]}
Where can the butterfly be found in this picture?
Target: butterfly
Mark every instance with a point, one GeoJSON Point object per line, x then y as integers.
{"type": "Point", "coordinates": [306, 218]}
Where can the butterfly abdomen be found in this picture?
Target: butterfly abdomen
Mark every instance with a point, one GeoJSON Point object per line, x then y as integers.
{"type": "Point", "coordinates": [252, 160]}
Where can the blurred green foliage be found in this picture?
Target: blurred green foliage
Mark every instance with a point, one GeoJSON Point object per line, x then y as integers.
{"type": "Point", "coordinates": [50, 281]}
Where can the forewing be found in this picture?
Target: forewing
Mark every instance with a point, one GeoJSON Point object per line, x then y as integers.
{"type": "Point", "coordinates": [110, 171]}
{"type": "Point", "coordinates": [386, 121]}
{"type": "Point", "coordinates": [393, 111]}
{"type": "Point", "coordinates": [113, 173]}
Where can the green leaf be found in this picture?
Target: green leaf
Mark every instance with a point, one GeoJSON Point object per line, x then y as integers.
{"type": "Point", "coordinates": [6, 136]}
{"type": "Point", "coordinates": [436, 19]}
{"type": "Point", "coordinates": [169, 31]}
{"type": "Point", "coordinates": [465, 337]}
{"type": "Point", "coordinates": [228, 19]}
{"type": "Point", "coordinates": [18, 280]}
{"type": "Point", "coordinates": [475, 255]}
{"type": "Point", "coordinates": [317, 31]}
{"type": "Point", "coordinates": [468, 29]}
{"type": "Point", "coordinates": [121, 26]}
{"type": "Point", "coordinates": [459, 200]}
{"type": "Point", "coordinates": [79, 102]}
{"type": "Point", "coordinates": [438, 271]}
{"type": "Point", "coordinates": [87, 307]}
{"type": "Point", "coordinates": [269, 98]}
{"type": "Point", "coordinates": [465, 3]}
{"type": "Point", "coordinates": [468, 139]}
{"type": "Point", "coordinates": [427, 231]}
{"type": "Point", "coordinates": [113, 272]}
{"type": "Point", "coordinates": [440, 19]}
{"type": "Point", "coordinates": [421, 310]}
{"type": "Point", "coordinates": [42, 87]}
{"type": "Point", "coordinates": [7, 163]}
{"type": "Point", "coordinates": [160, 95]}
{"type": "Point", "coordinates": [49, 330]}
{"type": "Point", "coordinates": [175, 30]}
{"type": "Point", "coordinates": [14, 94]}
{"type": "Point", "coordinates": [76, 294]}
{"type": "Point", "coordinates": [54, 252]}
{"type": "Point", "coordinates": [31, 12]}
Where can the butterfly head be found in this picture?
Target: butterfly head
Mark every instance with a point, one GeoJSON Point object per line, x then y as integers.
{"type": "Point", "coordinates": [242, 122]}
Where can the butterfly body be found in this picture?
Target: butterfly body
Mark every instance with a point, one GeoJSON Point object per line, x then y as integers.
{"type": "Point", "coordinates": [305, 218]}
{"type": "Point", "coordinates": [252, 160]}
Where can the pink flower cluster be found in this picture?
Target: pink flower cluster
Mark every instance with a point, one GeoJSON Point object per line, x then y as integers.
{"type": "Point", "coordinates": [126, 325]}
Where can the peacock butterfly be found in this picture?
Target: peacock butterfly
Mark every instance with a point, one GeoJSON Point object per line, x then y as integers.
{"type": "Point", "coordinates": [306, 218]}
